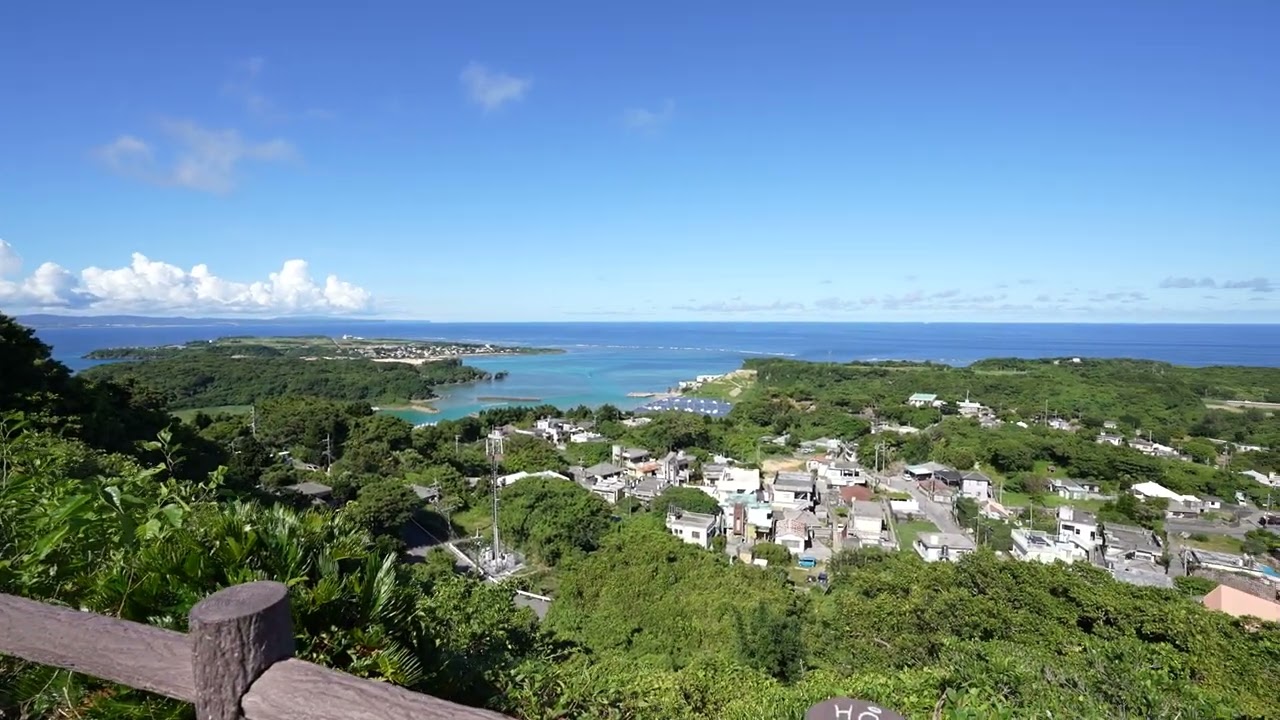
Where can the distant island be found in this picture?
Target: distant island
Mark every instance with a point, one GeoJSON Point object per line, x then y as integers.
{"type": "Point", "coordinates": [319, 347]}
{"type": "Point", "coordinates": [239, 371]}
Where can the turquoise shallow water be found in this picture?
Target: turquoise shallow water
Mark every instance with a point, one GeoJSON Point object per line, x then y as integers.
{"type": "Point", "coordinates": [605, 361]}
{"type": "Point", "coordinates": [591, 376]}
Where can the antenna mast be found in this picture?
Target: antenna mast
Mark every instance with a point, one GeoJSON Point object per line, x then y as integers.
{"type": "Point", "coordinates": [493, 448]}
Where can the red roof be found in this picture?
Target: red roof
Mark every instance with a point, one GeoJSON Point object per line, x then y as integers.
{"type": "Point", "coordinates": [849, 493]}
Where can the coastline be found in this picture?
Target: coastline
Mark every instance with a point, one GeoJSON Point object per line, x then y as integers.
{"type": "Point", "coordinates": [466, 356]}
{"type": "Point", "coordinates": [419, 406]}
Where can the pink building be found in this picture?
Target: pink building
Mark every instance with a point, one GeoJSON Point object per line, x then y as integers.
{"type": "Point", "coordinates": [1239, 603]}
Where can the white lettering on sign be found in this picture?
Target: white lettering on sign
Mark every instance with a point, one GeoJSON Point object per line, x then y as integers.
{"type": "Point", "coordinates": [848, 712]}
{"type": "Point", "coordinates": [871, 713]}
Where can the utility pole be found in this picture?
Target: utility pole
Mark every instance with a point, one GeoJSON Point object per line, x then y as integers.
{"type": "Point", "coordinates": [456, 438]}
{"type": "Point", "coordinates": [328, 454]}
{"type": "Point", "coordinates": [253, 420]}
{"type": "Point", "coordinates": [493, 447]}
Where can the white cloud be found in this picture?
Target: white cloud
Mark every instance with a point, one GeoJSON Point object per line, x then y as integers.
{"type": "Point", "coordinates": [1257, 284]}
{"type": "Point", "coordinates": [244, 87]}
{"type": "Point", "coordinates": [127, 155]}
{"type": "Point", "coordinates": [200, 158]}
{"type": "Point", "coordinates": [10, 261]}
{"type": "Point", "coordinates": [738, 305]}
{"type": "Point", "coordinates": [491, 89]}
{"type": "Point", "coordinates": [645, 120]}
{"type": "Point", "coordinates": [153, 286]}
{"type": "Point", "coordinates": [842, 305]}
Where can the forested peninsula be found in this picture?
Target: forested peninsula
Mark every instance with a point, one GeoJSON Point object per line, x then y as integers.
{"type": "Point", "coordinates": [243, 371]}
{"type": "Point", "coordinates": [112, 505]}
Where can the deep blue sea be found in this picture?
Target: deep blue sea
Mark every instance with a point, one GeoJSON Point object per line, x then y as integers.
{"type": "Point", "coordinates": [605, 361]}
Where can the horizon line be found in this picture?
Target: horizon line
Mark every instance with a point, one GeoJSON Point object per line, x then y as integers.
{"type": "Point", "coordinates": [707, 321]}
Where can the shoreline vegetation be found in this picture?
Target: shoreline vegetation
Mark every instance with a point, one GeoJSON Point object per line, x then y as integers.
{"type": "Point", "coordinates": [318, 347]}
{"type": "Point", "coordinates": [236, 371]}
{"type": "Point", "coordinates": [421, 407]}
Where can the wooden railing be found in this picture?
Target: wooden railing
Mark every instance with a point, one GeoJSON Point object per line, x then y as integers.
{"type": "Point", "coordinates": [236, 663]}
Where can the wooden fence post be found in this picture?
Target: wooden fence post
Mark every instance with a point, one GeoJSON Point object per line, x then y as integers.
{"type": "Point", "coordinates": [236, 634]}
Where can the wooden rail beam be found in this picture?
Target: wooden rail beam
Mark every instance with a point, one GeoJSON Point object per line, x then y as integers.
{"type": "Point", "coordinates": [293, 689]}
{"type": "Point", "coordinates": [140, 656]}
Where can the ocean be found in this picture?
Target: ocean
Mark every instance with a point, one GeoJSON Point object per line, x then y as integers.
{"type": "Point", "coordinates": [605, 361]}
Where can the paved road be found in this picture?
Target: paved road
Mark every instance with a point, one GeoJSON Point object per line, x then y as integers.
{"type": "Point", "coordinates": [939, 513]}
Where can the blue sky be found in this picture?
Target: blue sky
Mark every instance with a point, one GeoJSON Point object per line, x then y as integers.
{"type": "Point", "coordinates": [1076, 161]}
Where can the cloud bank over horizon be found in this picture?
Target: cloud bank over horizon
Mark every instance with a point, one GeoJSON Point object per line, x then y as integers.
{"type": "Point", "coordinates": [152, 286]}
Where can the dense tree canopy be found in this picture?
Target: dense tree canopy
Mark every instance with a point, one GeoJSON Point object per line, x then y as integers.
{"type": "Point", "coordinates": [685, 498]}
{"type": "Point", "coordinates": [552, 519]}
{"type": "Point", "coordinates": [529, 454]}
{"type": "Point", "coordinates": [197, 378]}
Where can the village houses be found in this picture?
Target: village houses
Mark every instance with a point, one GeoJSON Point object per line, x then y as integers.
{"type": "Point", "coordinates": [943, 547]}
{"type": "Point", "coordinates": [793, 491]}
{"type": "Point", "coordinates": [693, 528]}
{"type": "Point", "coordinates": [1039, 546]}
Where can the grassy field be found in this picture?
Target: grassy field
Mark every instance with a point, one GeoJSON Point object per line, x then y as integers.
{"type": "Point", "coordinates": [187, 415]}
{"type": "Point", "coordinates": [474, 519]}
{"type": "Point", "coordinates": [728, 387]}
{"type": "Point", "coordinates": [999, 372]}
{"type": "Point", "coordinates": [1017, 499]}
{"type": "Point", "coordinates": [1217, 543]}
{"type": "Point", "coordinates": [907, 532]}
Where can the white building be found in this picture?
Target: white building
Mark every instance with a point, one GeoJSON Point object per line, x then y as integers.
{"type": "Point", "coordinates": [844, 472]}
{"type": "Point", "coordinates": [506, 480]}
{"type": "Point", "coordinates": [1037, 546]}
{"type": "Point", "coordinates": [1226, 562]}
{"type": "Point", "coordinates": [793, 491]}
{"type": "Point", "coordinates": [793, 534]}
{"type": "Point", "coordinates": [1271, 480]}
{"type": "Point", "coordinates": [1147, 490]}
{"type": "Point", "coordinates": [969, 409]}
{"type": "Point", "coordinates": [611, 489]}
{"type": "Point", "coordinates": [1068, 489]}
{"type": "Point", "coordinates": [867, 521]}
{"type": "Point", "coordinates": [1079, 528]}
{"type": "Point", "coordinates": [734, 479]}
{"type": "Point", "coordinates": [693, 528]}
{"type": "Point", "coordinates": [942, 547]}
{"type": "Point", "coordinates": [923, 400]}
{"type": "Point", "coordinates": [975, 485]}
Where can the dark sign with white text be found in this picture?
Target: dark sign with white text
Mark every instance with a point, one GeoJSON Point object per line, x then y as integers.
{"type": "Point", "coordinates": [850, 709]}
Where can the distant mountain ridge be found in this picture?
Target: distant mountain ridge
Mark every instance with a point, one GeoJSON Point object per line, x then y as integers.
{"type": "Point", "coordinates": [46, 320]}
